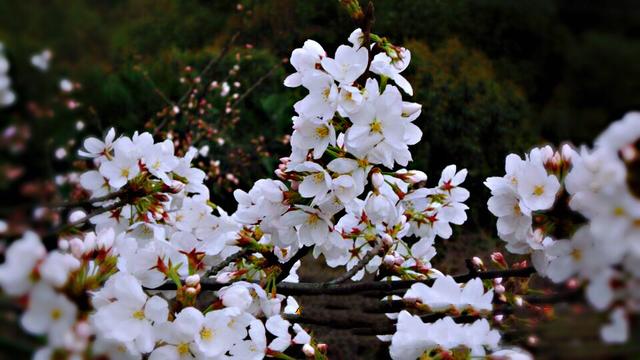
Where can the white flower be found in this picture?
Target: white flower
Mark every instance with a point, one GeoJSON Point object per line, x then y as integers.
{"type": "Point", "coordinates": [159, 160]}
{"type": "Point", "coordinates": [537, 189]}
{"type": "Point", "coordinates": [256, 347]}
{"type": "Point", "coordinates": [56, 267]}
{"type": "Point", "coordinates": [96, 148]}
{"type": "Point", "coordinates": [131, 316]}
{"type": "Point", "coordinates": [237, 296]}
{"type": "Point", "coordinates": [315, 185]}
{"type": "Point", "coordinates": [21, 258]}
{"type": "Point", "coordinates": [48, 313]}
{"type": "Point", "coordinates": [620, 133]}
{"type": "Point", "coordinates": [382, 64]}
{"type": "Point", "coordinates": [304, 60]}
{"type": "Point", "coordinates": [313, 226]}
{"type": "Point", "coordinates": [618, 330]}
{"type": "Point", "coordinates": [310, 133]}
{"type": "Point", "coordinates": [348, 65]}
{"type": "Point", "coordinates": [124, 165]}
{"type": "Point", "coordinates": [322, 100]}
{"type": "Point", "coordinates": [513, 216]}
{"type": "Point", "coordinates": [445, 293]}
{"type": "Point", "coordinates": [279, 327]}
{"type": "Point", "coordinates": [215, 337]}
{"type": "Point", "coordinates": [379, 130]}
{"type": "Point", "coordinates": [41, 60]}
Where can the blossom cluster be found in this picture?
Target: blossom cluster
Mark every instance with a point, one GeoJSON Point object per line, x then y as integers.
{"type": "Point", "coordinates": [153, 223]}
{"type": "Point", "coordinates": [7, 96]}
{"type": "Point", "coordinates": [336, 192]}
{"type": "Point", "coordinates": [577, 213]}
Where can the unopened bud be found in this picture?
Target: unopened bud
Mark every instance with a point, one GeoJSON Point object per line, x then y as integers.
{"type": "Point", "coordinates": [477, 262]}
{"type": "Point", "coordinates": [191, 291]}
{"type": "Point", "coordinates": [518, 301]}
{"type": "Point", "coordinates": [83, 329]}
{"type": "Point", "coordinates": [63, 244]}
{"type": "Point", "coordinates": [77, 215]}
{"type": "Point", "coordinates": [416, 176]}
{"type": "Point", "coordinates": [410, 108]}
{"type": "Point", "coordinates": [498, 258]}
{"type": "Point", "coordinates": [387, 239]}
{"type": "Point", "coordinates": [77, 247]}
{"type": "Point", "coordinates": [377, 179]}
{"type": "Point", "coordinates": [389, 259]}
{"type": "Point", "coordinates": [499, 289]}
{"type": "Point", "coordinates": [498, 318]}
{"type": "Point", "coordinates": [308, 350]}
{"type": "Point", "coordinates": [192, 280]}
{"type": "Point", "coordinates": [323, 347]}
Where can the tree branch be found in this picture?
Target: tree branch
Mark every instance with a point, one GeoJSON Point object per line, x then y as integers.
{"type": "Point", "coordinates": [361, 264]}
{"type": "Point", "coordinates": [231, 258]}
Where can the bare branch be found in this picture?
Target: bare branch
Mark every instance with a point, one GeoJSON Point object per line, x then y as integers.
{"type": "Point", "coordinates": [361, 264]}
{"type": "Point", "coordinates": [232, 258]}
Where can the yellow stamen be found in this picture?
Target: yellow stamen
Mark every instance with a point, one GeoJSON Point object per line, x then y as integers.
{"type": "Point", "coordinates": [376, 126]}
{"type": "Point", "coordinates": [138, 315]}
{"type": "Point", "coordinates": [576, 254]}
{"type": "Point", "coordinates": [322, 132]}
{"type": "Point", "coordinates": [183, 349]}
{"type": "Point", "coordinates": [56, 313]}
{"type": "Point", "coordinates": [206, 334]}
{"type": "Point", "coordinates": [538, 190]}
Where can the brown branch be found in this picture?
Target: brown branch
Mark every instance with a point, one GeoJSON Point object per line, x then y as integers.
{"type": "Point", "coordinates": [86, 202]}
{"type": "Point", "coordinates": [361, 264]}
{"type": "Point", "coordinates": [379, 287]}
{"type": "Point", "coordinates": [96, 212]}
{"type": "Point", "coordinates": [231, 258]}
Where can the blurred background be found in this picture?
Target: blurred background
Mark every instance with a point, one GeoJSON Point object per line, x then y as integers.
{"type": "Point", "coordinates": [493, 76]}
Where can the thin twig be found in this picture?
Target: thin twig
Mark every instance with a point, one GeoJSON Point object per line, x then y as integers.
{"type": "Point", "coordinates": [255, 85]}
{"type": "Point", "coordinates": [213, 63]}
{"type": "Point", "coordinates": [96, 212]}
{"type": "Point", "coordinates": [90, 201]}
{"type": "Point", "coordinates": [361, 264]}
{"type": "Point", "coordinates": [382, 288]}
{"type": "Point", "coordinates": [231, 258]}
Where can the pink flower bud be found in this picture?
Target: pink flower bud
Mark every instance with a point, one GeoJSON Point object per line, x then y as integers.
{"type": "Point", "coordinates": [308, 350]}
{"type": "Point", "coordinates": [191, 291]}
{"type": "Point", "coordinates": [477, 261]}
{"type": "Point", "coordinates": [499, 289]}
{"type": "Point", "coordinates": [389, 259]}
{"type": "Point", "coordinates": [387, 239]}
{"type": "Point", "coordinates": [498, 258]}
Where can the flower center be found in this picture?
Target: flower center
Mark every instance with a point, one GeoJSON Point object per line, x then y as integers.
{"type": "Point", "coordinates": [206, 334]}
{"type": "Point", "coordinates": [138, 315]}
{"type": "Point", "coordinates": [322, 132]}
{"type": "Point", "coordinates": [538, 190]}
{"type": "Point", "coordinates": [576, 254]}
{"type": "Point", "coordinates": [313, 218]}
{"type": "Point", "coordinates": [183, 349]}
{"type": "Point", "coordinates": [376, 126]}
{"type": "Point", "coordinates": [318, 177]}
{"type": "Point", "coordinates": [56, 313]}
{"type": "Point", "coordinates": [326, 92]}
{"type": "Point", "coordinates": [619, 211]}
{"type": "Point", "coordinates": [124, 172]}
{"type": "Point", "coordinates": [516, 209]}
